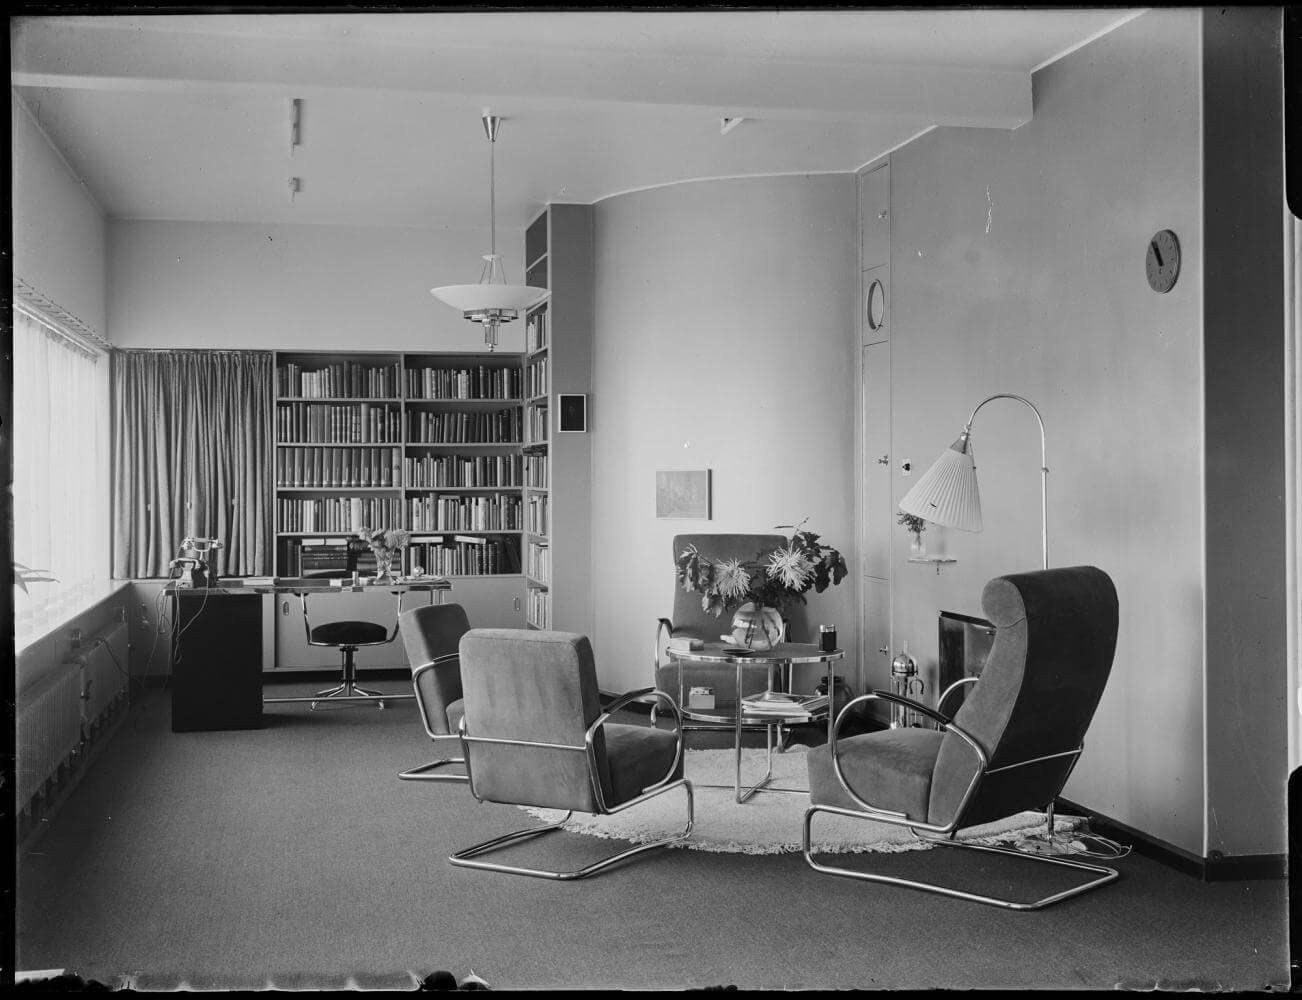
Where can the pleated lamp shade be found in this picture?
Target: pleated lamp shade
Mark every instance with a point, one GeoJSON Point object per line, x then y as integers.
{"type": "Point", "coordinates": [947, 492]}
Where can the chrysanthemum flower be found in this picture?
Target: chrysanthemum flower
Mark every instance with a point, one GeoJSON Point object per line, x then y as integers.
{"type": "Point", "coordinates": [731, 580]}
{"type": "Point", "coordinates": [791, 566]}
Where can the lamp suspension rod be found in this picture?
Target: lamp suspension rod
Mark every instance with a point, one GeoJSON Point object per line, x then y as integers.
{"type": "Point", "coordinates": [491, 123]}
{"type": "Point", "coordinates": [1044, 466]}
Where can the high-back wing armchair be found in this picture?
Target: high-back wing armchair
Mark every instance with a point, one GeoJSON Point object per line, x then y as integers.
{"type": "Point", "coordinates": [690, 620]}
{"type": "Point", "coordinates": [534, 733]}
{"type": "Point", "coordinates": [432, 636]}
{"type": "Point", "coordinates": [1009, 748]}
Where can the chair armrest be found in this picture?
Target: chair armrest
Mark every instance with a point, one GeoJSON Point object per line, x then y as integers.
{"type": "Point", "coordinates": [641, 694]}
{"type": "Point", "coordinates": [940, 703]}
{"type": "Point", "coordinates": [947, 725]}
{"type": "Point", "coordinates": [448, 689]}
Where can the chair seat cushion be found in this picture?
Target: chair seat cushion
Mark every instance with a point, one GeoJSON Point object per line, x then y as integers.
{"type": "Point", "coordinates": [349, 633]}
{"type": "Point", "coordinates": [890, 770]}
{"type": "Point", "coordinates": [637, 756]}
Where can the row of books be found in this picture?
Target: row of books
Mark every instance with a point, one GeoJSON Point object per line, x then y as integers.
{"type": "Point", "coordinates": [535, 471]}
{"type": "Point", "coordinates": [328, 557]}
{"type": "Point", "coordinates": [536, 332]}
{"type": "Point", "coordinates": [354, 423]}
{"type": "Point", "coordinates": [537, 425]}
{"type": "Point", "coordinates": [337, 513]}
{"type": "Point", "coordinates": [331, 468]}
{"type": "Point", "coordinates": [536, 515]}
{"type": "Point", "coordinates": [463, 555]}
{"type": "Point", "coordinates": [432, 471]}
{"type": "Point", "coordinates": [535, 378]}
{"type": "Point", "coordinates": [486, 513]}
{"type": "Point", "coordinates": [338, 381]}
{"type": "Point", "coordinates": [538, 562]}
{"type": "Point", "coordinates": [539, 611]}
{"type": "Point", "coordinates": [500, 427]}
{"type": "Point", "coordinates": [480, 382]}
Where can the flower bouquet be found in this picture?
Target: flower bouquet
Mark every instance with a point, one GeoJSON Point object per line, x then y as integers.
{"type": "Point", "coordinates": [759, 589]}
{"type": "Point", "coordinates": [387, 545]}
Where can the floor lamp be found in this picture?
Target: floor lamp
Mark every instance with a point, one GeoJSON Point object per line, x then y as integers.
{"type": "Point", "coordinates": [947, 495]}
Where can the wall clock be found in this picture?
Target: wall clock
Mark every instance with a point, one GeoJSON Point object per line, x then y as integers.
{"type": "Point", "coordinates": [1163, 261]}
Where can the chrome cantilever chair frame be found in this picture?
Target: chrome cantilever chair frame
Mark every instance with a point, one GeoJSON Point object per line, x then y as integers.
{"type": "Point", "coordinates": [944, 833]}
{"type": "Point", "coordinates": [423, 772]}
{"type": "Point", "coordinates": [466, 857]}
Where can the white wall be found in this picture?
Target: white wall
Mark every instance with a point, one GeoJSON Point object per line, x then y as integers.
{"type": "Point", "coordinates": [1038, 288]}
{"type": "Point", "coordinates": [58, 229]}
{"type": "Point", "coordinates": [252, 286]}
{"type": "Point", "coordinates": [724, 339]}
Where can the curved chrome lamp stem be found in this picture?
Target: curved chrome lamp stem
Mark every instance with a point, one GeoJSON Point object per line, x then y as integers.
{"type": "Point", "coordinates": [1044, 465]}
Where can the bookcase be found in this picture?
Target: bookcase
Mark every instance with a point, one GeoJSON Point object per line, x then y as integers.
{"type": "Point", "coordinates": [431, 442]}
{"type": "Point", "coordinates": [557, 465]}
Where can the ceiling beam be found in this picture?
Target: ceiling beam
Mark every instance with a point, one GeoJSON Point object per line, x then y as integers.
{"type": "Point", "coordinates": [51, 53]}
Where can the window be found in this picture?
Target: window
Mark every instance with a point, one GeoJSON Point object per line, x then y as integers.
{"type": "Point", "coordinates": [61, 514]}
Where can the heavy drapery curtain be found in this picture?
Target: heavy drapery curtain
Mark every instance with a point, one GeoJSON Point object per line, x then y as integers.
{"type": "Point", "coordinates": [191, 456]}
{"type": "Point", "coordinates": [60, 470]}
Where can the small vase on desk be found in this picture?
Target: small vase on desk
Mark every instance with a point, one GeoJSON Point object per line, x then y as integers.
{"type": "Point", "coordinates": [917, 547]}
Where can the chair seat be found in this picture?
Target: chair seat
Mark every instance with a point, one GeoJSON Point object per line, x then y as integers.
{"type": "Point", "coordinates": [638, 756]}
{"type": "Point", "coordinates": [349, 633]}
{"type": "Point", "coordinates": [890, 770]}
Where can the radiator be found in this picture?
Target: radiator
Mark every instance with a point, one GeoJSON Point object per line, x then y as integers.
{"type": "Point", "coordinates": [57, 714]}
{"type": "Point", "coordinates": [48, 730]}
{"type": "Point", "coordinates": [103, 665]}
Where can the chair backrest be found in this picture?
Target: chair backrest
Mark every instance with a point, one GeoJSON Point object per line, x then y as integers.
{"type": "Point", "coordinates": [429, 632]}
{"type": "Point", "coordinates": [688, 616]}
{"type": "Point", "coordinates": [535, 686]}
{"type": "Point", "coordinates": [1055, 636]}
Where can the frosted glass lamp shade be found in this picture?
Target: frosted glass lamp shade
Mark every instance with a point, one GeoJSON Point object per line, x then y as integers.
{"type": "Point", "coordinates": [947, 492]}
{"type": "Point", "coordinates": [485, 298]}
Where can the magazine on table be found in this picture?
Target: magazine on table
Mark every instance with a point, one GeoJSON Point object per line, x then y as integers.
{"type": "Point", "coordinates": [781, 703]}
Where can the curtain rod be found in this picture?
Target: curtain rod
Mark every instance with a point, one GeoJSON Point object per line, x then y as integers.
{"type": "Point", "coordinates": [50, 314]}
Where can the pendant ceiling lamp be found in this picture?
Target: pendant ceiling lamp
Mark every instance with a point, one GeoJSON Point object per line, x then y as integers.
{"type": "Point", "coordinates": [492, 301]}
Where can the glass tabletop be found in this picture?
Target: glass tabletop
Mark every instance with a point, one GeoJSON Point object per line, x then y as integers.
{"type": "Point", "coordinates": [783, 652]}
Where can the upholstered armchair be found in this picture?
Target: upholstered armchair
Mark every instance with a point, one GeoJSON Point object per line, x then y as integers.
{"type": "Point", "coordinates": [431, 635]}
{"type": "Point", "coordinates": [691, 621]}
{"type": "Point", "coordinates": [534, 733]}
{"type": "Point", "coordinates": [1011, 745]}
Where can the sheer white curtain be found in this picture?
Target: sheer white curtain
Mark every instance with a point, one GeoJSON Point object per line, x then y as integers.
{"type": "Point", "coordinates": [61, 494]}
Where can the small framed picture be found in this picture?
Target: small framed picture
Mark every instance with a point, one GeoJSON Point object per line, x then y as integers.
{"type": "Point", "coordinates": [684, 494]}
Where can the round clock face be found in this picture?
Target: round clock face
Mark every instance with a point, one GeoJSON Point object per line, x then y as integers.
{"type": "Point", "coordinates": [1163, 261]}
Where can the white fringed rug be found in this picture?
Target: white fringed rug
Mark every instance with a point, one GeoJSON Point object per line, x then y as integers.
{"type": "Point", "coordinates": [767, 822]}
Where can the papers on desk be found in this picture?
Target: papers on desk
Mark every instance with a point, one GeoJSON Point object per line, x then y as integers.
{"type": "Point", "coordinates": [778, 703]}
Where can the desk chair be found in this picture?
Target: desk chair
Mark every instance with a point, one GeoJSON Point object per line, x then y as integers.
{"type": "Point", "coordinates": [1009, 748]}
{"type": "Point", "coordinates": [431, 636]}
{"type": "Point", "coordinates": [347, 636]}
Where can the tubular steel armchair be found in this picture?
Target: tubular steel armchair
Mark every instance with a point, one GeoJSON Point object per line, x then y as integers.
{"type": "Point", "coordinates": [534, 734]}
{"type": "Point", "coordinates": [1009, 748]}
{"type": "Point", "coordinates": [431, 635]}
{"type": "Point", "coordinates": [691, 621]}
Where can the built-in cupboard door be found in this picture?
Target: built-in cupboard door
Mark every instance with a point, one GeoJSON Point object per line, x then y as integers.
{"type": "Point", "coordinates": [875, 497]}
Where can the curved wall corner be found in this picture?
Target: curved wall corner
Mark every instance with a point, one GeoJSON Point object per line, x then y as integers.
{"type": "Point", "coordinates": [724, 339]}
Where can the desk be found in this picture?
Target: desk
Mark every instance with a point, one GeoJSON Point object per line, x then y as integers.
{"type": "Point", "coordinates": [783, 655]}
{"type": "Point", "coordinates": [217, 646]}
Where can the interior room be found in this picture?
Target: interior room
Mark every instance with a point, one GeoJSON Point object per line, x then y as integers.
{"type": "Point", "coordinates": [393, 393]}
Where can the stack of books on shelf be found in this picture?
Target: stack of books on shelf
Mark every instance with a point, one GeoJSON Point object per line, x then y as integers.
{"type": "Point", "coordinates": [786, 705]}
{"type": "Point", "coordinates": [480, 382]}
{"type": "Point", "coordinates": [535, 332]}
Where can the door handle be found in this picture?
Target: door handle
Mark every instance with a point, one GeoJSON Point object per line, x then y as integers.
{"type": "Point", "coordinates": [517, 604]}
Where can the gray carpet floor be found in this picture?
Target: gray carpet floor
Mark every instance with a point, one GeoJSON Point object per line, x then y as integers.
{"type": "Point", "coordinates": [293, 855]}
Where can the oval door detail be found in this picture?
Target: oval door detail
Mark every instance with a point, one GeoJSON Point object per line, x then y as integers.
{"type": "Point", "coordinates": [875, 305]}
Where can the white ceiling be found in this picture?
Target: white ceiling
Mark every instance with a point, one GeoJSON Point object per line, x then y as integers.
{"type": "Point", "coordinates": [187, 116]}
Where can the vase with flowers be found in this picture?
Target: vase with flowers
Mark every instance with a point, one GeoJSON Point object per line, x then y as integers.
{"type": "Point", "coordinates": [386, 545]}
{"type": "Point", "coordinates": [915, 526]}
{"type": "Point", "coordinates": [758, 590]}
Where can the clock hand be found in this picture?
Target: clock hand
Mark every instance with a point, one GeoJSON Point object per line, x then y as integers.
{"type": "Point", "coordinates": [1158, 254]}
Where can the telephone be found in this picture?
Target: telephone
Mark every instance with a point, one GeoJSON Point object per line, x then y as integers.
{"type": "Point", "coordinates": [194, 569]}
